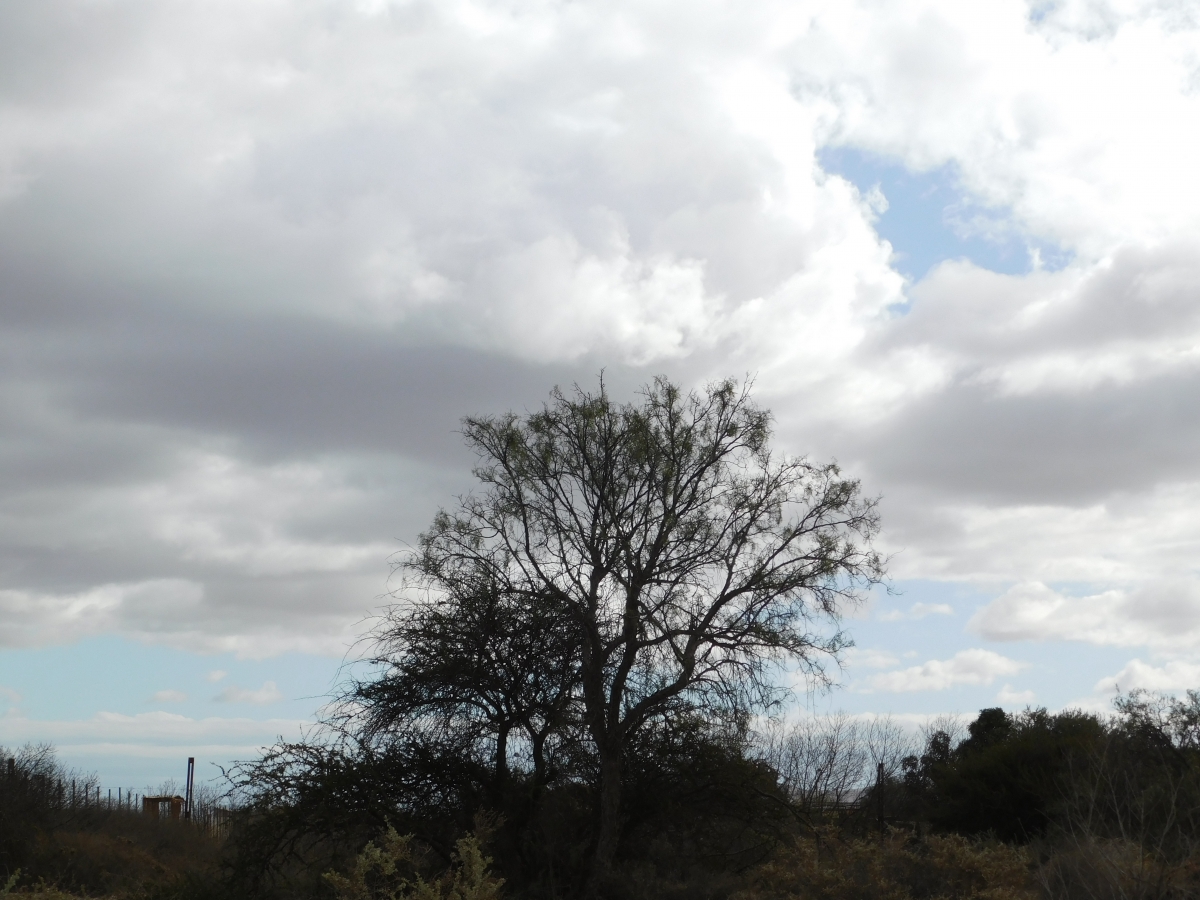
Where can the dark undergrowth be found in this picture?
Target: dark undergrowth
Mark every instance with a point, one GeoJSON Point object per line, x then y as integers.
{"type": "Point", "coordinates": [1065, 806]}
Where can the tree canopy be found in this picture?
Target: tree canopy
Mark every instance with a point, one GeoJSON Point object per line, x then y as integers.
{"type": "Point", "coordinates": [661, 553]}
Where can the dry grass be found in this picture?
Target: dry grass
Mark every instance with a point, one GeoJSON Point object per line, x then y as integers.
{"type": "Point", "coordinates": [1095, 869]}
{"type": "Point", "coordinates": [118, 855]}
{"type": "Point", "coordinates": [896, 866]}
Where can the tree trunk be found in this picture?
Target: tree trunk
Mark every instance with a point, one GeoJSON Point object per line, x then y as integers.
{"type": "Point", "coordinates": [539, 758]}
{"type": "Point", "coordinates": [609, 831]}
{"type": "Point", "coordinates": [502, 756]}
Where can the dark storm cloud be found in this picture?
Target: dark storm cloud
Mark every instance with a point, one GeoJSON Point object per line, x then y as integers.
{"type": "Point", "coordinates": [1058, 388]}
{"type": "Point", "coordinates": [292, 388]}
{"type": "Point", "coordinates": [1054, 449]}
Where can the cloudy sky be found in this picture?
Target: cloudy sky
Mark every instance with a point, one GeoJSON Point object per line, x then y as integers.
{"type": "Point", "coordinates": [258, 258]}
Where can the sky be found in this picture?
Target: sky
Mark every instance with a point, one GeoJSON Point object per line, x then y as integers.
{"type": "Point", "coordinates": [258, 259]}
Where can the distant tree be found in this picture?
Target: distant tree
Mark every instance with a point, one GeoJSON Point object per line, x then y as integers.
{"type": "Point", "coordinates": [686, 561]}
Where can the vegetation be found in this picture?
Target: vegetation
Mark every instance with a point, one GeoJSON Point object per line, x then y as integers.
{"type": "Point", "coordinates": [572, 696]}
{"type": "Point", "coordinates": [389, 872]}
{"type": "Point", "coordinates": [58, 839]}
{"type": "Point", "coordinates": [607, 612]}
{"type": "Point", "coordinates": [894, 866]}
{"type": "Point", "coordinates": [669, 557]}
{"type": "Point", "coordinates": [1025, 805]}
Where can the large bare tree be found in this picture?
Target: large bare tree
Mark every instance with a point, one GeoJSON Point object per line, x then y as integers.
{"type": "Point", "coordinates": [689, 560]}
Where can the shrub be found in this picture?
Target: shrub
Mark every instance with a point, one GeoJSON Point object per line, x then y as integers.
{"type": "Point", "coordinates": [388, 872]}
{"type": "Point", "coordinates": [1098, 869]}
{"type": "Point", "coordinates": [893, 866]}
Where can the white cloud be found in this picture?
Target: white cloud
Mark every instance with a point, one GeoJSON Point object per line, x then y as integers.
{"type": "Point", "coordinates": [1174, 676]}
{"type": "Point", "coordinates": [215, 675]}
{"type": "Point", "coordinates": [967, 667]}
{"type": "Point", "coordinates": [870, 658]}
{"type": "Point", "coordinates": [168, 611]}
{"type": "Point", "coordinates": [1105, 541]}
{"type": "Point", "coordinates": [31, 617]}
{"type": "Point", "coordinates": [263, 696]}
{"type": "Point", "coordinates": [157, 734]}
{"type": "Point", "coordinates": [917, 611]}
{"type": "Point", "coordinates": [202, 513]}
{"type": "Point", "coordinates": [169, 696]}
{"type": "Point", "coordinates": [1008, 696]}
{"type": "Point", "coordinates": [1164, 614]}
{"type": "Point", "coordinates": [1083, 132]}
{"type": "Point", "coordinates": [282, 581]}
{"type": "Point", "coordinates": [630, 172]}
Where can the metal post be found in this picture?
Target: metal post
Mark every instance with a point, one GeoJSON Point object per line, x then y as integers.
{"type": "Point", "coordinates": [187, 800]}
{"type": "Point", "coordinates": [879, 793]}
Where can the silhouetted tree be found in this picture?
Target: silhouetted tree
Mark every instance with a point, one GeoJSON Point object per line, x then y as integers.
{"type": "Point", "coordinates": [688, 560]}
{"type": "Point", "coordinates": [472, 658]}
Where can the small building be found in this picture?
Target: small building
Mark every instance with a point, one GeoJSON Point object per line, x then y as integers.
{"type": "Point", "coordinates": [153, 806]}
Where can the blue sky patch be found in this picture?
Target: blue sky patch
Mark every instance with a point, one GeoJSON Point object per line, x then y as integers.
{"type": "Point", "coordinates": [930, 219]}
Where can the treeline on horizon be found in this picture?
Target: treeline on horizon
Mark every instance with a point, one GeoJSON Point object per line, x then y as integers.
{"type": "Point", "coordinates": [1015, 805]}
{"type": "Point", "coordinates": [562, 700]}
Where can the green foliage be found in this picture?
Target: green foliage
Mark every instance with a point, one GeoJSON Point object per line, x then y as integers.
{"type": "Point", "coordinates": [1008, 778]}
{"type": "Point", "coordinates": [1112, 805]}
{"type": "Point", "coordinates": [387, 872]}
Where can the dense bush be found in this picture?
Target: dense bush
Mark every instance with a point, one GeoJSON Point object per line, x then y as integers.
{"type": "Point", "coordinates": [699, 804]}
{"type": "Point", "coordinates": [1133, 777]}
{"type": "Point", "coordinates": [1009, 778]}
